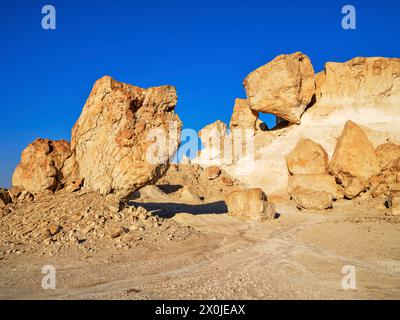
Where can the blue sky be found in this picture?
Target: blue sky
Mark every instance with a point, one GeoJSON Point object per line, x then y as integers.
{"type": "Point", "coordinates": [205, 48]}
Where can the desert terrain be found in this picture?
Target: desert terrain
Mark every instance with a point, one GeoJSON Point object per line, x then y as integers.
{"type": "Point", "coordinates": [198, 251]}
{"type": "Point", "coordinates": [311, 210]}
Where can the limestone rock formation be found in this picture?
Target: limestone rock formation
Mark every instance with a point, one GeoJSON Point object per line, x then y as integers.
{"type": "Point", "coordinates": [125, 136]}
{"type": "Point", "coordinates": [250, 204]}
{"type": "Point", "coordinates": [312, 200]}
{"type": "Point", "coordinates": [354, 156]}
{"type": "Point", "coordinates": [314, 183]}
{"type": "Point", "coordinates": [43, 166]}
{"type": "Point", "coordinates": [283, 87]}
{"type": "Point", "coordinates": [365, 82]}
{"type": "Point", "coordinates": [243, 117]}
{"type": "Point", "coordinates": [307, 157]}
{"type": "Point", "coordinates": [363, 90]}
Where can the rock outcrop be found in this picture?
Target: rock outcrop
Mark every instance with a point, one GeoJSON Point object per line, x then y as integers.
{"type": "Point", "coordinates": [125, 136]}
{"type": "Point", "coordinates": [243, 117]}
{"type": "Point", "coordinates": [354, 156]}
{"type": "Point", "coordinates": [364, 82]}
{"type": "Point", "coordinates": [307, 157]}
{"type": "Point", "coordinates": [363, 90]}
{"type": "Point", "coordinates": [283, 87]}
{"type": "Point", "coordinates": [250, 204]}
{"type": "Point", "coordinates": [45, 165]}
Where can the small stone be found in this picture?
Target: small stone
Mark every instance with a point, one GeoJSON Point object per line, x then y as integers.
{"type": "Point", "coordinates": [25, 196]}
{"type": "Point", "coordinates": [54, 229]}
{"type": "Point", "coordinates": [5, 197]}
{"type": "Point", "coordinates": [227, 181]}
{"type": "Point", "coordinates": [212, 172]}
{"type": "Point", "coordinates": [116, 232]}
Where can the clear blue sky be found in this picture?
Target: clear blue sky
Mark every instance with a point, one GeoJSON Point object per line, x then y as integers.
{"type": "Point", "coordinates": [205, 48]}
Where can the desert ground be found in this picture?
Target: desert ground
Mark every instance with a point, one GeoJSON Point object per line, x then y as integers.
{"type": "Point", "coordinates": [198, 251]}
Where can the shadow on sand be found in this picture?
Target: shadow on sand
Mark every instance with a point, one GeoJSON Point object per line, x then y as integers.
{"type": "Point", "coordinates": [168, 210]}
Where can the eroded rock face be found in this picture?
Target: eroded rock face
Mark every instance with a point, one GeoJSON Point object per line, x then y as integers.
{"type": "Point", "coordinates": [250, 204]}
{"type": "Point", "coordinates": [113, 139]}
{"type": "Point", "coordinates": [307, 157]}
{"type": "Point", "coordinates": [314, 183]}
{"type": "Point", "coordinates": [361, 81]}
{"type": "Point", "coordinates": [243, 117]}
{"type": "Point", "coordinates": [354, 156]}
{"type": "Point", "coordinates": [283, 87]}
{"type": "Point", "coordinates": [43, 166]}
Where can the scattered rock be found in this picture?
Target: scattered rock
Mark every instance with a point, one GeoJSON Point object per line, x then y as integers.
{"type": "Point", "coordinates": [307, 157]}
{"type": "Point", "coordinates": [5, 197]}
{"type": "Point", "coordinates": [75, 185]}
{"type": "Point", "coordinates": [250, 204]}
{"type": "Point", "coordinates": [312, 200]}
{"type": "Point", "coordinates": [25, 197]}
{"type": "Point", "coordinates": [113, 203]}
{"type": "Point", "coordinates": [116, 232]}
{"type": "Point", "coordinates": [120, 136]}
{"type": "Point", "coordinates": [283, 87]}
{"type": "Point", "coordinates": [354, 156]}
{"type": "Point", "coordinates": [227, 181]}
{"type": "Point", "coordinates": [212, 172]}
{"type": "Point", "coordinates": [53, 229]}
